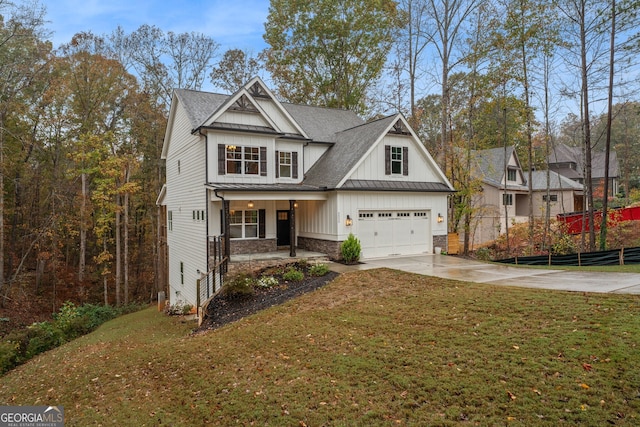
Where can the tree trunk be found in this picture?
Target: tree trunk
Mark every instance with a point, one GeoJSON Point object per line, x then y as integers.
{"type": "Point", "coordinates": [586, 124]}
{"type": "Point", "coordinates": [126, 240]}
{"type": "Point", "coordinates": [605, 197]}
{"type": "Point", "coordinates": [83, 228]}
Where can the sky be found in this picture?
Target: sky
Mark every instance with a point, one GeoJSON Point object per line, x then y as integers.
{"type": "Point", "coordinates": [231, 23]}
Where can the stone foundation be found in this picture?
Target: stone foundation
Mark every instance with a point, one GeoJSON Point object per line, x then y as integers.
{"type": "Point", "coordinates": [253, 246]}
{"type": "Point", "coordinates": [440, 241]}
{"type": "Point", "coordinates": [254, 266]}
{"type": "Point", "coordinates": [329, 247]}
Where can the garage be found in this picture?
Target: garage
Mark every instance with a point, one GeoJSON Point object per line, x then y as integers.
{"type": "Point", "coordinates": [385, 233]}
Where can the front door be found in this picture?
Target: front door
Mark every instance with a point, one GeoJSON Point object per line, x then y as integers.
{"type": "Point", "coordinates": [284, 228]}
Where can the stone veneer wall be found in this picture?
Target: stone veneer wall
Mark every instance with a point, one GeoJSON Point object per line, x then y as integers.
{"type": "Point", "coordinates": [253, 246]}
{"type": "Point", "coordinates": [329, 247]}
{"type": "Point", "coordinates": [440, 241]}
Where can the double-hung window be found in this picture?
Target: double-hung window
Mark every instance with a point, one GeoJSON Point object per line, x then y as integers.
{"type": "Point", "coordinates": [244, 224]}
{"type": "Point", "coordinates": [284, 164]}
{"type": "Point", "coordinates": [511, 175]}
{"type": "Point", "coordinates": [507, 199]}
{"type": "Point", "coordinates": [242, 160]}
{"type": "Point", "coordinates": [396, 160]}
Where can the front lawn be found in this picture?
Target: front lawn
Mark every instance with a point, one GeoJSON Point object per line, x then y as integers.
{"type": "Point", "coordinates": [376, 347]}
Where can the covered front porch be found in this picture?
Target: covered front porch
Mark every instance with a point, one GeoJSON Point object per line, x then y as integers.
{"type": "Point", "coordinates": [248, 223]}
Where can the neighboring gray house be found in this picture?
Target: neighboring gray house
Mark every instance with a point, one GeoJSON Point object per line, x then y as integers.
{"type": "Point", "coordinates": [258, 175]}
{"type": "Point", "coordinates": [508, 187]}
{"type": "Point", "coordinates": [569, 162]}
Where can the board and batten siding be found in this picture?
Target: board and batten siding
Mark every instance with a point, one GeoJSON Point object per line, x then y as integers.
{"type": "Point", "coordinates": [312, 153]}
{"type": "Point", "coordinates": [185, 194]}
{"type": "Point", "coordinates": [276, 115]}
{"type": "Point", "coordinates": [241, 118]}
{"type": "Point", "coordinates": [318, 220]}
{"type": "Point", "coordinates": [373, 166]}
{"type": "Point", "coordinates": [352, 202]}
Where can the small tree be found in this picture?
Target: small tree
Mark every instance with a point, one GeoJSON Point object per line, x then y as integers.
{"type": "Point", "coordinates": [351, 249]}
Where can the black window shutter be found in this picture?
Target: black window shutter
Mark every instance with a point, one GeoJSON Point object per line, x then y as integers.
{"type": "Point", "coordinates": [294, 165]}
{"type": "Point", "coordinates": [387, 160]}
{"type": "Point", "coordinates": [263, 161]}
{"type": "Point", "coordinates": [405, 161]}
{"type": "Point", "coordinates": [262, 219]}
{"type": "Point", "coordinates": [277, 164]}
{"type": "Point", "coordinates": [222, 153]}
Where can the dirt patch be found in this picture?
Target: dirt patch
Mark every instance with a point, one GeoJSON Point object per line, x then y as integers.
{"type": "Point", "coordinates": [224, 309]}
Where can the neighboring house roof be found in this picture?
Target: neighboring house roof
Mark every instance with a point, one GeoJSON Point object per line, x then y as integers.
{"type": "Point", "coordinates": [563, 153]}
{"type": "Point", "coordinates": [556, 182]}
{"type": "Point", "coordinates": [489, 166]}
{"type": "Point", "coordinates": [350, 146]}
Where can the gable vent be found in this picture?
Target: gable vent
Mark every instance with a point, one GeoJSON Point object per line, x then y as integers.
{"type": "Point", "coordinates": [243, 104]}
{"type": "Point", "coordinates": [399, 129]}
{"type": "Point", "coordinates": [258, 91]}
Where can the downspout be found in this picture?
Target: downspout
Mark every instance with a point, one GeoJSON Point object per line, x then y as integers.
{"type": "Point", "coordinates": [227, 249]}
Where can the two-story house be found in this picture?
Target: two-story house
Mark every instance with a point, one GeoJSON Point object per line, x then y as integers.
{"type": "Point", "coordinates": [258, 174]}
{"type": "Point", "coordinates": [569, 162]}
{"type": "Point", "coordinates": [504, 198]}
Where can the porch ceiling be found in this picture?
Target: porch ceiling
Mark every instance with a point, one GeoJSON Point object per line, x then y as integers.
{"type": "Point", "coordinates": [267, 192]}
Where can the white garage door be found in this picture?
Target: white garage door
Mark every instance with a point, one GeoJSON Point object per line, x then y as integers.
{"type": "Point", "coordinates": [384, 233]}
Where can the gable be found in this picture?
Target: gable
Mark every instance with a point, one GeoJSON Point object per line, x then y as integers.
{"type": "Point", "coordinates": [360, 154]}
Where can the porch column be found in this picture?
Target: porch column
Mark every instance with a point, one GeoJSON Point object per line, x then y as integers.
{"type": "Point", "coordinates": [292, 228]}
{"type": "Point", "coordinates": [227, 229]}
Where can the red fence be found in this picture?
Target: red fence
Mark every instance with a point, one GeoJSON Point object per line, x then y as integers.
{"type": "Point", "coordinates": [573, 221]}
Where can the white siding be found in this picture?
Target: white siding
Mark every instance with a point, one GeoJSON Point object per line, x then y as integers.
{"type": "Point", "coordinates": [319, 219]}
{"type": "Point", "coordinates": [373, 166]}
{"type": "Point", "coordinates": [312, 153]}
{"type": "Point", "coordinates": [237, 117]}
{"type": "Point", "coordinates": [185, 194]}
{"type": "Point", "coordinates": [350, 203]}
{"type": "Point", "coordinates": [276, 115]}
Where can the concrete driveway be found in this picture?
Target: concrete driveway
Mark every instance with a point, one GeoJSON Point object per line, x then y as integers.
{"type": "Point", "coordinates": [451, 267]}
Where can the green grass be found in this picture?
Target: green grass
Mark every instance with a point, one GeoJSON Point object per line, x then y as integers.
{"type": "Point", "coordinates": [373, 348]}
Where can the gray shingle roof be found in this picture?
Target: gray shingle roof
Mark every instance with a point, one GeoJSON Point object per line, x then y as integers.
{"type": "Point", "coordinates": [556, 182]}
{"type": "Point", "coordinates": [563, 153]}
{"type": "Point", "coordinates": [199, 105]}
{"type": "Point", "coordinates": [489, 165]}
{"type": "Point", "coordinates": [350, 146]}
{"type": "Point", "coordinates": [321, 124]}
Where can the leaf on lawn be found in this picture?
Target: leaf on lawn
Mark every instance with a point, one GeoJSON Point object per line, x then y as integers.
{"type": "Point", "coordinates": [511, 395]}
{"type": "Point", "coordinates": [516, 347]}
{"type": "Point", "coordinates": [584, 386]}
{"type": "Point", "coordinates": [536, 391]}
{"type": "Point", "coordinates": [587, 367]}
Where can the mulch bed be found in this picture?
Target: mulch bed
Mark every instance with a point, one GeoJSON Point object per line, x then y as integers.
{"type": "Point", "coordinates": [224, 309]}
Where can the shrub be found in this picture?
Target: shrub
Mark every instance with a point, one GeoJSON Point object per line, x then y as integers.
{"type": "Point", "coordinates": [8, 356]}
{"type": "Point", "coordinates": [240, 285]}
{"type": "Point", "coordinates": [483, 254]}
{"type": "Point", "coordinates": [44, 336]}
{"type": "Point", "coordinates": [178, 309]}
{"type": "Point", "coordinates": [351, 249]}
{"type": "Point", "coordinates": [318, 270]}
{"type": "Point", "coordinates": [268, 282]}
{"type": "Point", "coordinates": [293, 275]}
{"type": "Point", "coordinates": [95, 315]}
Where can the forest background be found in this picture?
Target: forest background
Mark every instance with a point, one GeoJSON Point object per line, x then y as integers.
{"type": "Point", "coordinates": [82, 124]}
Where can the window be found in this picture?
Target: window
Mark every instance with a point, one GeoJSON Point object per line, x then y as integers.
{"type": "Point", "coordinates": [507, 199]}
{"type": "Point", "coordinates": [181, 273]}
{"type": "Point", "coordinates": [243, 224]}
{"type": "Point", "coordinates": [284, 162]}
{"type": "Point", "coordinates": [552, 197]}
{"type": "Point", "coordinates": [511, 174]}
{"type": "Point", "coordinates": [396, 160]}
{"type": "Point", "coordinates": [178, 167]}
{"type": "Point", "coordinates": [251, 160]}
{"type": "Point", "coordinates": [170, 220]}
{"type": "Point", "coordinates": [242, 160]}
